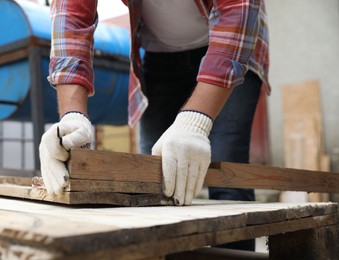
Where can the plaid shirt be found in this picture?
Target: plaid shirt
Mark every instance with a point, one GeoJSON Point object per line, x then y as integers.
{"type": "Point", "coordinates": [238, 42]}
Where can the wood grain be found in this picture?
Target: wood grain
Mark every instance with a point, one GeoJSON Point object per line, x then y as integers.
{"type": "Point", "coordinates": [303, 134]}
{"type": "Point", "coordinates": [22, 181]}
{"type": "Point", "coordinates": [125, 167]}
{"type": "Point", "coordinates": [316, 243]}
{"type": "Point", "coordinates": [114, 166]}
{"type": "Point", "coordinates": [76, 198]}
{"type": "Point", "coordinates": [195, 241]}
{"type": "Point", "coordinates": [114, 186]}
{"type": "Point", "coordinates": [103, 177]}
{"type": "Point", "coordinates": [134, 233]}
{"type": "Point", "coordinates": [236, 175]}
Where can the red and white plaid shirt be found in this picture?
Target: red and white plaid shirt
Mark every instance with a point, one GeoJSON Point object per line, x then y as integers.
{"type": "Point", "coordinates": [238, 41]}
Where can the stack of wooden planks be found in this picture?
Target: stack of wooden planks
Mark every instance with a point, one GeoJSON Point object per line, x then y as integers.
{"type": "Point", "coordinates": [124, 179]}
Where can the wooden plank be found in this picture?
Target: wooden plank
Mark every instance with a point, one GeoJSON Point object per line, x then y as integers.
{"type": "Point", "coordinates": [10, 250]}
{"type": "Point", "coordinates": [302, 99]}
{"type": "Point", "coordinates": [316, 243]}
{"type": "Point", "coordinates": [236, 175]}
{"type": "Point", "coordinates": [181, 220]}
{"type": "Point", "coordinates": [126, 233]}
{"type": "Point", "coordinates": [81, 197]}
{"type": "Point", "coordinates": [196, 241]}
{"type": "Point", "coordinates": [88, 185]}
{"type": "Point", "coordinates": [114, 166]}
{"type": "Point", "coordinates": [22, 181]}
{"type": "Point", "coordinates": [113, 186]}
{"type": "Point", "coordinates": [303, 133]}
{"type": "Point", "coordinates": [112, 178]}
{"type": "Point", "coordinates": [125, 167]}
{"type": "Point", "coordinates": [153, 248]}
{"type": "Point", "coordinates": [145, 250]}
{"type": "Point", "coordinates": [113, 138]}
{"type": "Point", "coordinates": [124, 179]}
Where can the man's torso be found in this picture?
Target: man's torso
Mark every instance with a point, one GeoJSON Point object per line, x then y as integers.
{"type": "Point", "coordinates": [170, 26]}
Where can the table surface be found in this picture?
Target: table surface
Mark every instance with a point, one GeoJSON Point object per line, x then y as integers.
{"type": "Point", "coordinates": [69, 230]}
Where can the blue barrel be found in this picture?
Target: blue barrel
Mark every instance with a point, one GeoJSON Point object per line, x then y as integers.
{"type": "Point", "coordinates": [21, 21]}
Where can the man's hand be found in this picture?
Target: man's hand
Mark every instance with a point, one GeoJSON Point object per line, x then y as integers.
{"type": "Point", "coordinates": [186, 155]}
{"type": "Point", "coordinates": [73, 131]}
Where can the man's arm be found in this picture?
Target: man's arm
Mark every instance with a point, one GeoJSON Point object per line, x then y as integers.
{"type": "Point", "coordinates": [73, 23]}
{"type": "Point", "coordinates": [233, 33]}
{"type": "Point", "coordinates": [208, 99]}
{"type": "Point", "coordinates": [72, 98]}
{"type": "Point", "coordinates": [74, 130]}
{"type": "Point", "coordinates": [185, 147]}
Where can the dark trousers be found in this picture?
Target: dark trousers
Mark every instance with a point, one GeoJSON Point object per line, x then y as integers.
{"type": "Point", "coordinates": [168, 81]}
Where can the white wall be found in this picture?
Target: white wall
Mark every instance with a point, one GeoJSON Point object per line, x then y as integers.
{"type": "Point", "coordinates": [304, 45]}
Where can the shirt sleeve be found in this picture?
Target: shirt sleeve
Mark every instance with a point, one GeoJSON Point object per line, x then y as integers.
{"type": "Point", "coordinates": [233, 33]}
{"type": "Point", "coordinates": [73, 23]}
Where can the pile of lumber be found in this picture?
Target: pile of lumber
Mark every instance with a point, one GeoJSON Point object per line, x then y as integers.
{"type": "Point", "coordinates": [124, 179]}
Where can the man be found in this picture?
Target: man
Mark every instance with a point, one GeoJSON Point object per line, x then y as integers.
{"type": "Point", "coordinates": [197, 54]}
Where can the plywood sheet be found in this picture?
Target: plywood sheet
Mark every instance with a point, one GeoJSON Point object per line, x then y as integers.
{"type": "Point", "coordinates": [303, 132]}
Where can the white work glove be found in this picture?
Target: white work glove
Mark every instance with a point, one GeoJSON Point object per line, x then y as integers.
{"type": "Point", "coordinates": [73, 131]}
{"type": "Point", "coordinates": [186, 155]}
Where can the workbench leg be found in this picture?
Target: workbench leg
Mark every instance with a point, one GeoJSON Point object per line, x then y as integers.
{"type": "Point", "coordinates": [311, 244]}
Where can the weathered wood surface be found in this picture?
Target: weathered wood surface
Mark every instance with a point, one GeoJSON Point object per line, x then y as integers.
{"type": "Point", "coordinates": [20, 187]}
{"type": "Point", "coordinates": [114, 166]}
{"type": "Point", "coordinates": [125, 167]}
{"type": "Point", "coordinates": [113, 186]}
{"type": "Point", "coordinates": [318, 243]}
{"type": "Point", "coordinates": [136, 233]}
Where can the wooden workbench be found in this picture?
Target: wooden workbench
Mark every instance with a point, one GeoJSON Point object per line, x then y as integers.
{"type": "Point", "coordinates": [37, 230]}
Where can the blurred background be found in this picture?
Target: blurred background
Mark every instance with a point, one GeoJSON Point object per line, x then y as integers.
{"type": "Point", "coordinates": [296, 126]}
